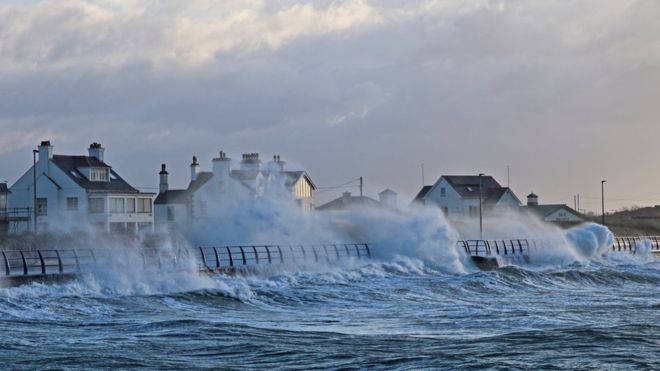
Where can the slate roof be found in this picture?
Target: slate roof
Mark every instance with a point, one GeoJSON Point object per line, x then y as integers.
{"type": "Point", "coordinates": [387, 192]}
{"type": "Point", "coordinates": [347, 202]}
{"type": "Point", "coordinates": [183, 196]}
{"type": "Point", "coordinates": [422, 193]}
{"type": "Point", "coordinates": [70, 165]}
{"type": "Point", "coordinates": [295, 175]}
{"type": "Point", "coordinates": [3, 188]}
{"type": "Point", "coordinates": [173, 196]}
{"type": "Point", "coordinates": [468, 185]}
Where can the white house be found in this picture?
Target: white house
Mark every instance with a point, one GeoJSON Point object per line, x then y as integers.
{"type": "Point", "coordinates": [180, 207]}
{"type": "Point", "coordinates": [73, 192]}
{"type": "Point", "coordinates": [553, 213]}
{"type": "Point", "coordinates": [458, 196]}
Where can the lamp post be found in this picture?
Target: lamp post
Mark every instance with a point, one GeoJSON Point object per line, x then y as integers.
{"type": "Point", "coordinates": [602, 197]}
{"type": "Point", "coordinates": [481, 220]}
{"type": "Point", "coordinates": [34, 186]}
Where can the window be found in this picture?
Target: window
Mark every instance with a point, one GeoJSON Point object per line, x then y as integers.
{"type": "Point", "coordinates": [443, 192]}
{"type": "Point", "coordinates": [72, 203]}
{"type": "Point", "coordinates": [474, 211]}
{"type": "Point", "coordinates": [130, 205]}
{"type": "Point", "coordinates": [170, 213]}
{"type": "Point", "coordinates": [445, 210]}
{"type": "Point", "coordinates": [144, 205]}
{"type": "Point", "coordinates": [117, 205]}
{"type": "Point", "coordinates": [98, 174]}
{"type": "Point", "coordinates": [96, 205]}
{"type": "Point", "coordinates": [42, 206]}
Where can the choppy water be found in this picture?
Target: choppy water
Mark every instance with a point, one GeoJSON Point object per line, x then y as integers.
{"type": "Point", "coordinates": [403, 313]}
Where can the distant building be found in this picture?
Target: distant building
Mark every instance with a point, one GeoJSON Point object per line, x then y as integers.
{"type": "Point", "coordinates": [77, 191]}
{"type": "Point", "coordinates": [341, 208]}
{"type": "Point", "coordinates": [181, 207]}
{"type": "Point", "coordinates": [458, 196]}
{"type": "Point", "coordinates": [555, 213]}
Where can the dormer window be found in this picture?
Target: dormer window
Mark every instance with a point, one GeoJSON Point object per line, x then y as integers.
{"type": "Point", "coordinates": [98, 174]}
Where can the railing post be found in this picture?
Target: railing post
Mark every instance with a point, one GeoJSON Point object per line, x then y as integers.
{"type": "Point", "coordinates": [243, 255]}
{"type": "Point", "coordinates": [302, 248]}
{"type": "Point", "coordinates": [336, 251]}
{"type": "Point", "coordinates": [366, 246]}
{"type": "Point", "coordinates": [279, 250]}
{"type": "Point", "coordinates": [25, 269]}
{"type": "Point", "coordinates": [316, 257]}
{"type": "Point", "coordinates": [217, 258]}
{"type": "Point", "coordinates": [231, 258]}
{"type": "Point", "coordinates": [357, 249]}
{"type": "Point", "coordinates": [59, 261]}
{"type": "Point", "coordinates": [75, 255]}
{"type": "Point", "coordinates": [270, 261]}
{"type": "Point", "coordinates": [201, 251]}
{"type": "Point", "coordinates": [256, 255]}
{"type": "Point", "coordinates": [7, 270]}
{"type": "Point", "coordinates": [293, 254]}
{"type": "Point", "coordinates": [41, 259]}
{"type": "Point", "coordinates": [348, 254]}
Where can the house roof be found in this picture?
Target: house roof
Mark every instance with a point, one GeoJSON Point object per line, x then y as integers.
{"type": "Point", "coordinates": [183, 196]}
{"type": "Point", "coordinates": [387, 192]}
{"type": "Point", "coordinates": [347, 202]}
{"type": "Point", "coordinates": [295, 175]}
{"type": "Point", "coordinates": [422, 193]}
{"type": "Point", "coordinates": [71, 164]}
{"type": "Point", "coordinates": [546, 210]}
{"type": "Point", "coordinates": [3, 188]}
{"type": "Point", "coordinates": [173, 196]}
{"type": "Point", "coordinates": [468, 185]}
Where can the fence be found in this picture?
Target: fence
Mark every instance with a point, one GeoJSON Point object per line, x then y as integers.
{"type": "Point", "coordinates": [228, 257]}
{"type": "Point", "coordinates": [631, 243]}
{"type": "Point", "coordinates": [488, 248]}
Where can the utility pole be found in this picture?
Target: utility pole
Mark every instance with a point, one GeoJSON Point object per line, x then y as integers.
{"type": "Point", "coordinates": [481, 220]}
{"type": "Point", "coordinates": [508, 177]}
{"type": "Point", "coordinates": [578, 202]}
{"type": "Point", "coordinates": [34, 186]}
{"type": "Point", "coordinates": [602, 195]}
{"type": "Point", "coordinates": [361, 184]}
{"type": "Point", "coordinates": [423, 180]}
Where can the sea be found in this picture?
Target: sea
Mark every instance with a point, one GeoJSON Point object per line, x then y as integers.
{"type": "Point", "coordinates": [395, 313]}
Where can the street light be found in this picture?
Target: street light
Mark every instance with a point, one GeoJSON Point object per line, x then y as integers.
{"type": "Point", "coordinates": [602, 195]}
{"type": "Point", "coordinates": [34, 186]}
{"type": "Point", "coordinates": [481, 220]}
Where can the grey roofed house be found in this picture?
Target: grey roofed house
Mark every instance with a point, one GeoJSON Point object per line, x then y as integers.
{"type": "Point", "coordinates": [71, 165]}
{"type": "Point", "coordinates": [546, 210]}
{"type": "Point", "coordinates": [347, 201]}
{"type": "Point", "coordinates": [183, 196]}
{"type": "Point", "coordinates": [422, 193]}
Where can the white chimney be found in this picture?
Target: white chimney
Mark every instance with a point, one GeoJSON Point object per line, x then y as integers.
{"type": "Point", "coordinates": [164, 183]}
{"type": "Point", "coordinates": [96, 150]}
{"type": "Point", "coordinates": [250, 162]}
{"type": "Point", "coordinates": [221, 167]}
{"type": "Point", "coordinates": [45, 150]}
{"type": "Point", "coordinates": [194, 169]}
{"type": "Point", "coordinates": [276, 165]}
{"type": "Point", "coordinates": [388, 198]}
{"type": "Point", "coordinates": [532, 200]}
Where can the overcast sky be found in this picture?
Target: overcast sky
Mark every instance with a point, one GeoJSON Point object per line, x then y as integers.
{"type": "Point", "coordinates": [564, 92]}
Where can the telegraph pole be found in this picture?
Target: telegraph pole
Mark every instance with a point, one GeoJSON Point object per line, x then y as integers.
{"type": "Point", "coordinates": [34, 186]}
{"type": "Point", "coordinates": [602, 195]}
{"type": "Point", "coordinates": [481, 220]}
{"type": "Point", "coordinates": [361, 185]}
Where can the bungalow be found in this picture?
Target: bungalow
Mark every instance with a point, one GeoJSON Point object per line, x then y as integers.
{"type": "Point", "coordinates": [458, 195]}
{"type": "Point", "coordinates": [340, 209]}
{"type": "Point", "coordinates": [553, 213]}
{"type": "Point", "coordinates": [73, 192]}
{"type": "Point", "coordinates": [181, 207]}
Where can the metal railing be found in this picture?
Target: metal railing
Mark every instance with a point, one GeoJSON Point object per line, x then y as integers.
{"type": "Point", "coordinates": [487, 248]}
{"type": "Point", "coordinates": [228, 257]}
{"type": "Point", "coordinates": [631, 243]}
{"type": "Point", "coordinates": [44, 262]}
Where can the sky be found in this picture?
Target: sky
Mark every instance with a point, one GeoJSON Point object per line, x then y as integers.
{"type": "Point", "coordinates": [565, 93]}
